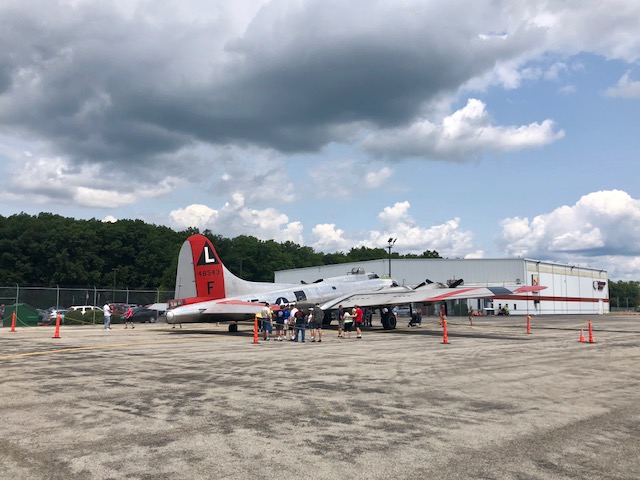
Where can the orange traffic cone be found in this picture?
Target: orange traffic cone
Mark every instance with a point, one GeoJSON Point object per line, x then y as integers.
{"type": "Point", "coordinates": [255, 330]}
{"type": "Point", "coordinates": [13, 321]}
{"type": "Point", "coordinates": [528, 324]}
{"type": "Point", "coordinates": [591, 340]}
{"type": "Point", "coordinates": [445, 337]}
{"type": "Point", "coordinates": [582, 340]}
{"type": "Point", "coordinates": [57, 332]}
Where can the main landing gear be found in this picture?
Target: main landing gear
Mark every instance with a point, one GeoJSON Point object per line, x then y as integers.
{"type": "Point", "coordinates": [389, 320]}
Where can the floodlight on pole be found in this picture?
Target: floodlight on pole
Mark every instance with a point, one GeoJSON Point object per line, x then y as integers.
{"type": "Point", "coordinates": [391, 243]}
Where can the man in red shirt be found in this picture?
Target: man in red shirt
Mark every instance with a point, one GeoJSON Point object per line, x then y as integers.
{"type": "Point", "coordinates": [358, 321]}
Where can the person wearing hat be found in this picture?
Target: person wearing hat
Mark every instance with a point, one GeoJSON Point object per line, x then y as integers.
{"type": "Point", "coordinates": [266, 321]}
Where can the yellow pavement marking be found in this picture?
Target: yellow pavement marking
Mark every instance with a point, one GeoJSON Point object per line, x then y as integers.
{"type": "Point", "coordinates": [96, 347]}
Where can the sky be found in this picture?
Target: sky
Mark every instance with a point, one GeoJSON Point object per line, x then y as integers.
{"type": "Point", "coordinates": [479, 129]}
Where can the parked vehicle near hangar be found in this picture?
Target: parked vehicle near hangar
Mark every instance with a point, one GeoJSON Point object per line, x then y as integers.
{"type": "Point", "coordinates": [144, 315]}
{"type": "Point", "coordinates": [121, 308]}
{"type": "Point", "coordinates": [85, 308]}
{"type": "Point", "coordinates": [50, 315]}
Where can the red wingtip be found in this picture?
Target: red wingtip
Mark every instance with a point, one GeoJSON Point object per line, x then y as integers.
{"type": "Point", "coordinates": [529, 289]}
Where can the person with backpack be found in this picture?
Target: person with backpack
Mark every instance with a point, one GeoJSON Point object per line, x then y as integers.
{"type": "Point", "coordinates": [300, 324]}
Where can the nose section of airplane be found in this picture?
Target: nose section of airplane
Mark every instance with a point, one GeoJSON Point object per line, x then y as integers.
{"type": "Point", "coordinates": [169, 316]}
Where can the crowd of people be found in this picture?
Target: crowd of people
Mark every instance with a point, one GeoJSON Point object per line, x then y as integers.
{"type": "Point", "coordinates": [292, 323]}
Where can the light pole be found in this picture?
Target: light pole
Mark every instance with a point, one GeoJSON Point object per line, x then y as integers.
{"type": "Point", "coordinates": [391, 243]}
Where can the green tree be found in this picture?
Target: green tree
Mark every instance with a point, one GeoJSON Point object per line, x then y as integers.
{"type": "Point", "coordinates": [624, 294]}
{"type": "Point", "coordinates": [51, 250]}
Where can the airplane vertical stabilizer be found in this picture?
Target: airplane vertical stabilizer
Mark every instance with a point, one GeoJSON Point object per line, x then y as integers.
{"type": "Point", "coordinates": [200, 272]}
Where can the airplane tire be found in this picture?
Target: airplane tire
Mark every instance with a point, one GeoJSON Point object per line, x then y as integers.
{"type": "Point", "coordinates": [233, 328]}
{"type": "Point", "coordinates": [389, 321]}
{"type": "Point", "coordinates": [326, 320]}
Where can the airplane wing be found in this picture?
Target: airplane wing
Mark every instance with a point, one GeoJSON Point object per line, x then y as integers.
{"type": "Point", "coordinates": [425, 295]}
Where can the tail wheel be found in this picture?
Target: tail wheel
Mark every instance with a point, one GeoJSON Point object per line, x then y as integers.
{"type": "Point", "coordinates": [233, 327]}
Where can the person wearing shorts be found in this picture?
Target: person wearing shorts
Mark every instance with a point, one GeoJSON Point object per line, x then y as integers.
{"type": "Point", "coordinates": [348, 323]}
{"type": "Point", "coordinates": [357, 317]}
{"type": "Point", "coordinates": [340, 322]}
{"type": "Point", "coordinates": [266, 321]}
{"type": "Point", "coordinates": [280, 323]}
{"type": "Point", "coordinates": [318, 316]}
{"type": "Point", "coordinates": [292, 320]}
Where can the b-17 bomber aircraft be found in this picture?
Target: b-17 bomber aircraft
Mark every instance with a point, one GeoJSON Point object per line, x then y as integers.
{"type": "Point", "coordinates": [206, 291]}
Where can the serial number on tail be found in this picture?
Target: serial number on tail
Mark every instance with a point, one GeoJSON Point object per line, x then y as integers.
{"type": "Point", "coordinates": [209, 273]}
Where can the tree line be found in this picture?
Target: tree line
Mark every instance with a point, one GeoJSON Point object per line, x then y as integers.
{"type": "Point", "coordinates": [49, 250]}
{"type": "Point", "coordinates": [624, 294]}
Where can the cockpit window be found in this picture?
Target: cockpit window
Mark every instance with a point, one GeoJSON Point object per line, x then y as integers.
{"type": "Point", "coordinates": [176, 303]}
{"type": "Point", "coordinates": [373, 276]}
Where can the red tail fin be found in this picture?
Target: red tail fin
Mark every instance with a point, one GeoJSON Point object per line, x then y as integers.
{"type": "Point", "coordinates": [200, 271]}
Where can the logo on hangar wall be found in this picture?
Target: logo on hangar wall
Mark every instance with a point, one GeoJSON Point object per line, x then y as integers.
{"type": "Point", "coordinates": [599, 285]}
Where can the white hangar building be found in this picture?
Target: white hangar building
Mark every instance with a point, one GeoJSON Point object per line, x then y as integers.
{"type": "Point", "coordinates": [570, 289]}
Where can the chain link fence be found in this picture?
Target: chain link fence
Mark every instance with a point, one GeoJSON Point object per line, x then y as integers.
{"type": "Point", "coordinates": [38, 299]}
{"type": "Point", "coordinates": [623, 305]}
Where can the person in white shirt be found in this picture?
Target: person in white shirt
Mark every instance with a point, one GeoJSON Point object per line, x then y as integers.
{"type": "Point", "coordinates": [106, 310]}
{"type": "Point", "coordinates": [292, 320]}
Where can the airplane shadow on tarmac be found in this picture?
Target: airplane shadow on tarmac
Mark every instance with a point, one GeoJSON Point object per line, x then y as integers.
{"type": "Point", "coordinates": [451, 334]}
{"type": "Point", "coordinates": [422, 331]}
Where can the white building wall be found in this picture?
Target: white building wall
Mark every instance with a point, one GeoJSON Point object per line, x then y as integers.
{"type": "Point", "coordinates": [570, 289]}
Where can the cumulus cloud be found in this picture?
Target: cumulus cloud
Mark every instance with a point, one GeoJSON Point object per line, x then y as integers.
{"type": "Point", "coordinates": [198, 216]}
{"type": "Point", "coordinates": [599, 227]}
{"type": "Point", "coordinates": [466, 134]}
{"type": "Point", "coordinates": [283, 75]}
{"type": "Point", "coordinates": [336, 178]}
{"type": "Point", "coordinates": [236, 218]}
{"type": "Point", "coordinates": [140, 83]}
{"type": "Point", "coordinates": [46, 180]}
{"type": "Point", "coordinates": [108, 103]}
{"type": "Point", "coordinates": [396, 222]}
{"type": "Point", "coordinates": [250, 172]}
{"type": "Point", "coordinates": [625, 88]}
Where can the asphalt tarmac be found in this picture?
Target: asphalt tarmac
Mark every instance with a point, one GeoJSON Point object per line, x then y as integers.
{"type": "Point", "coordinates": [198, 402]}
